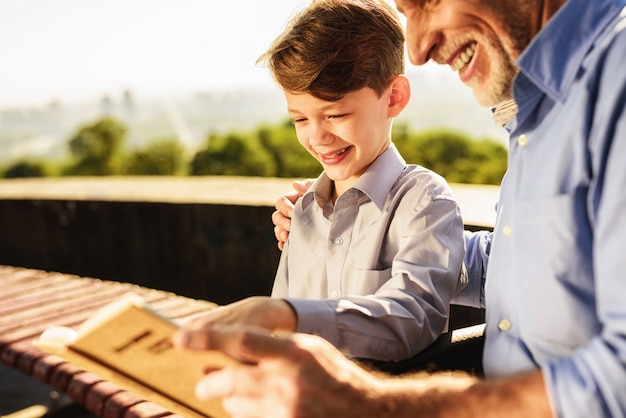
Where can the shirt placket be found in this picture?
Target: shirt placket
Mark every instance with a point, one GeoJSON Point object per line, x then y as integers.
{"type": "Point", "coordinates": [339, 239]}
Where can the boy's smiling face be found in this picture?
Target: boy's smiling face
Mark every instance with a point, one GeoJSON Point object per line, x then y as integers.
{"type": "Point", "coordinates": [346, 135]}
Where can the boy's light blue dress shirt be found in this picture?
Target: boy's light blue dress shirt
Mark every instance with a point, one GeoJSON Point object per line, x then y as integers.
{"type": "Point", "coordinates": [374, 272]}
{"type": "Point", "coordinates": [555, 291]}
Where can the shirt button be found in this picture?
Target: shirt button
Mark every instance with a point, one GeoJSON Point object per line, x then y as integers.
{"type": "Point", "coordinates": [334, 293]}
{"type": "Point", "coordinates": [522, 140]}
{"type": "Point", "coordinates": [507, 230]}
{"type": "Point", "coordinates": [504, 325]}
{"type": "Point", "coordinates": [338, 241]}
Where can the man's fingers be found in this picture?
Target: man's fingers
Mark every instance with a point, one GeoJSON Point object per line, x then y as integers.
{"type": "Point", "coordinates": [230, 381]}
{"type": "Point", "coordinates": [301, 186]}
{"type": "Point", "coordinates": [280, 234]}
{"type": "Point", "coordinates": [243, 391]}
{"type": "Point", "coordinates": [239, 406]}
{"type": "Point", "coordinates": [284, 204]}
{"type": "Point", "coordinates": [282, 222]}
{"type": "Point", "coordinates": [281, 228]}
{"type": "Point", "coordinates": [217, 384]}
{"type": "Point", "coordinates": [281, 218]}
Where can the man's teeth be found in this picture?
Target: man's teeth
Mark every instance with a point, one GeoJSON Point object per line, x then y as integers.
{"type": "Point", "coordinates": [335, 154]}
{"type": "Point", "coordinates": [465, 57]}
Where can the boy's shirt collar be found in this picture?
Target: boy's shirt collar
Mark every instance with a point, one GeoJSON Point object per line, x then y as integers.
{"type": "Point", "coordinates": [376, 182]}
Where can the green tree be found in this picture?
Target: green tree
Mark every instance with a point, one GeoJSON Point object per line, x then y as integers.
{"type": "Point", "coordinates": [97, 148]}
{"type": "Point", "coordinates": [290, 158]}
{"type": "Point", "coordinates": [163, 157]}
{"type": "Point", "coordinates": [234, 154]}
{"type": "Point", "coordinates": [26, 169]}
{"type": "Point", "coordinates": [489, 159]}
{"type": "Point", "coordinates": [456, 156]}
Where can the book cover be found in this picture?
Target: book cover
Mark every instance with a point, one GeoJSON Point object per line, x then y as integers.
{"type": "Point", "coordinates": [129, 344]}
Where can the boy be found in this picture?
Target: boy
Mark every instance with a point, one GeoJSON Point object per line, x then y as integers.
{"type": "Point", "coordinates": [376, 246]}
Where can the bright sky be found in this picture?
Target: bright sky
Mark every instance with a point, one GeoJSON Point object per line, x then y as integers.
{"type": "Point", "coordinates": [71, 50]}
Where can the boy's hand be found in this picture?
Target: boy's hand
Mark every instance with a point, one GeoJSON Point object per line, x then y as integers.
{"type": "Point", "coordinates": [258, 311]}
{"type": "Point", "coordinates": [284, 208]}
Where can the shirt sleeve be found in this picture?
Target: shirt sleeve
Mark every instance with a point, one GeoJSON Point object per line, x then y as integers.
{"type": "Point", "coordinates": [477, 248]}
{"type": "Point", "coordinates": [410, 310]}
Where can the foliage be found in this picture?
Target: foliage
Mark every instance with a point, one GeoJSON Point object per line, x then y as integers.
{"type": "Point", "coordinates": [275, 151]}
{"type": "Point", "coordinates": [490, 162]}
{"type": "Point", "coordinates": [234, 154]}
{"type": "Point", "coordinates": [96, 148]}
{"type": "Point", "coordinates": [456, 156]}
{"type": "Point", "coordinates": [26, 168]}
{"type": "Point", "coordinates": [270, 150]}
{"type": "Point", "coordinates": [291, 159]}
{"type": "Point", "coordinates": [163, 157]}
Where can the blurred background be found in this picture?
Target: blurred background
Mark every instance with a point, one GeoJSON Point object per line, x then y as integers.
{"type": "Point", "coordinates": [170, 87]}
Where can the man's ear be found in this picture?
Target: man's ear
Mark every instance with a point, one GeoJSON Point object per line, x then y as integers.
{"type": "Point", "coordinates": [399, 95]}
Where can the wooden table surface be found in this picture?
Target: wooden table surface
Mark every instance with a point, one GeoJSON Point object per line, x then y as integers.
{"type": "Point", "coordinates": [32, 300]}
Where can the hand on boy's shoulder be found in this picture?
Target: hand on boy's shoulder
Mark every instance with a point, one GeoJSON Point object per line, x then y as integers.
{"type": "Point", "coordinates": [281, 218]}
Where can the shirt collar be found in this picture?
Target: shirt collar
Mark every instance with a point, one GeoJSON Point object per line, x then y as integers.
{"type": "Point", "coordinates": [376, 182]}
{"type": "Point", "coordinates": [553, 58]}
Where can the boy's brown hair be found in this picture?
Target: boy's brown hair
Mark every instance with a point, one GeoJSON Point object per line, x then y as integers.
{"type": "Point", "coordinates": [334, 47]}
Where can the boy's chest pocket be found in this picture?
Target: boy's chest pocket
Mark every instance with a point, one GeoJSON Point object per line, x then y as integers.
{"type": "Point", "coordinates": [365, 282]}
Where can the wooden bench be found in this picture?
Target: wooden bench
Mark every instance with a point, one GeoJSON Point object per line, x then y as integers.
{"type": "Point", "coordinates": [32, 300]}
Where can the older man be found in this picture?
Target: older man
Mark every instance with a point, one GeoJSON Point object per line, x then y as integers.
{"type": "Point", "coordinates": [554, 294]}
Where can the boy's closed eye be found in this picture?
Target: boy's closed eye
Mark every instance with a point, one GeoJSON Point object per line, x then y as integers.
{"type": "Point", "coordinates": [298, 120]}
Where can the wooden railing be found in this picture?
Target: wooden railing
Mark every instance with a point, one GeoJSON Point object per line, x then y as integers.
{"type": "Point", "coordinates": [202, 237]}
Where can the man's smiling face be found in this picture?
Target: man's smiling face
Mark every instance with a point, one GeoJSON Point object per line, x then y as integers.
{"type": "Point", "coordinates": [479, 39]}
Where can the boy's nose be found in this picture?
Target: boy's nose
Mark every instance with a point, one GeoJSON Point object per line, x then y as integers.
{"type": "Point", "coordinates": [319, 135]}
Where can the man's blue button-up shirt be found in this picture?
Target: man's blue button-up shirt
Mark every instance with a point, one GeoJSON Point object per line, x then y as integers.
{"type": "Point", "coordinates": [555, 289]}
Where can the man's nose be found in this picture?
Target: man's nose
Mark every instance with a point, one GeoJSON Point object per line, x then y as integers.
{"type": "Point", "coordinates": [421, 41]}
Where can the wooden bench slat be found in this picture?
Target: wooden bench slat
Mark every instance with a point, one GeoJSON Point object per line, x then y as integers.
{"type": "Point", "coordinates": [81, 384]}
{"type": "Point", "coordinates": [148, 409]}
{"type": "Point", "coordinates": [98, 395]}
{"type": "Point", "coordinates": [62, 375]}
{"type": "Point", "coordinates": [117, 405]}
{"type": "Point", "coordinates": [76, 302]}
{"type": "Point", "coordinates": [27, 358]}
{"type": "Point", "coordinates": [45, 366]}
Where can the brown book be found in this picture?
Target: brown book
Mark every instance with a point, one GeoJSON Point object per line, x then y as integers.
{"type": "Point", "coordinates": [129, 343]}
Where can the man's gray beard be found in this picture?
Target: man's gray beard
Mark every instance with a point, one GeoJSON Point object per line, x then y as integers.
{"type": "Point", "coordinates": [500, 80]}
{"type": "Point", "coordinates": [516, 15]}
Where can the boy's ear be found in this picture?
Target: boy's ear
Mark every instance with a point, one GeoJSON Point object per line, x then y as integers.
{"type": "Point", "coordinates": [399, 96]}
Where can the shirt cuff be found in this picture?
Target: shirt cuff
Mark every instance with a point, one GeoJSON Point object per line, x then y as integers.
{"type": "Point", "coordinates": [317, 317]}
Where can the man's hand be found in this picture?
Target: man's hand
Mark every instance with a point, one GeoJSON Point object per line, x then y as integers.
{"type": "Point", "coordinates": [284, 208]}
{"type": "Point", "coordinates": [258, 311]}
{"type": "Point", "coordinates": [285, 375]}
{"type": "Point", "coordinates": [299, 375]}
